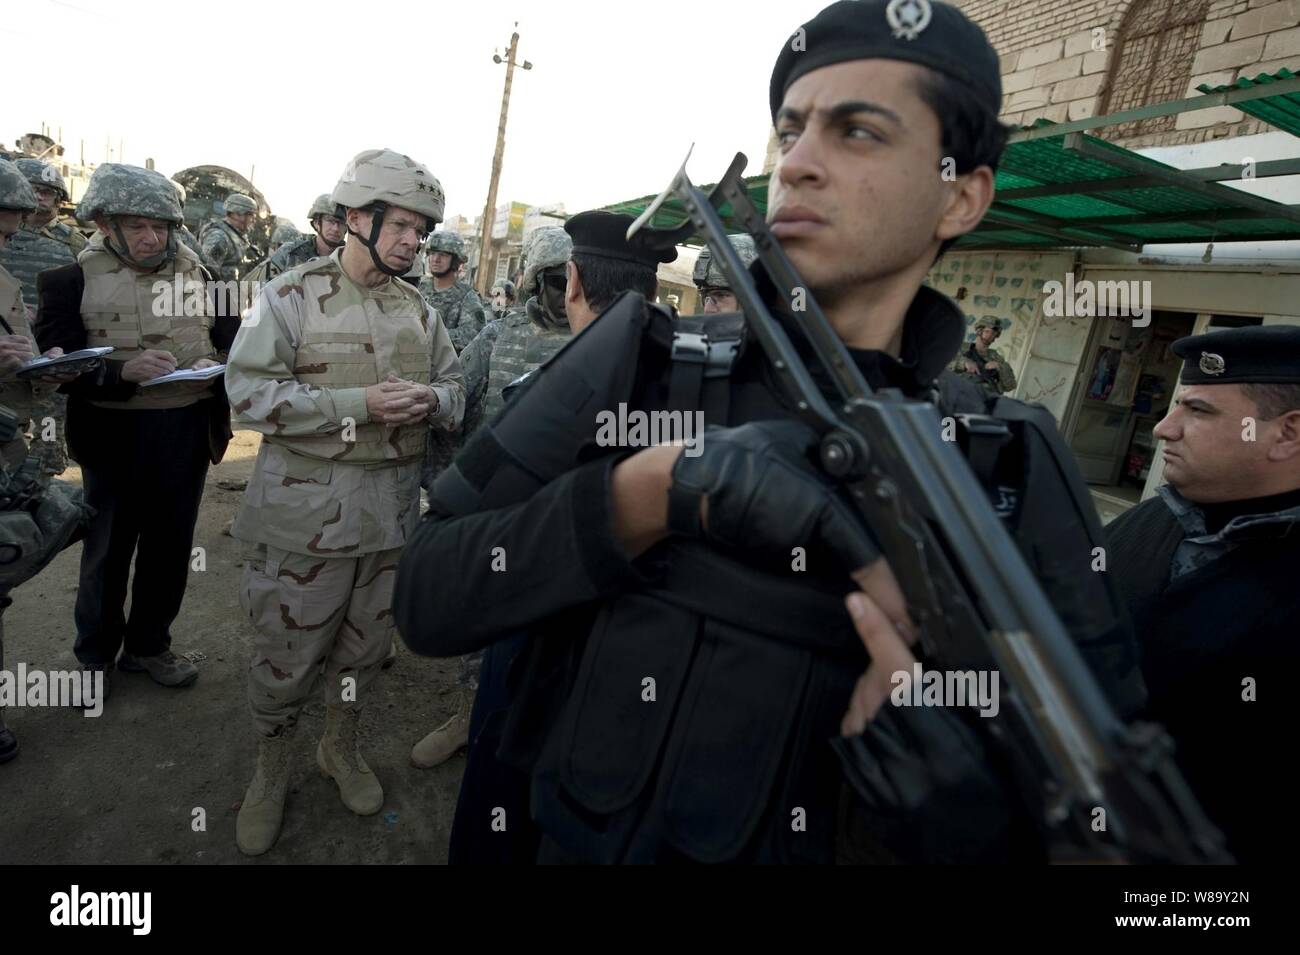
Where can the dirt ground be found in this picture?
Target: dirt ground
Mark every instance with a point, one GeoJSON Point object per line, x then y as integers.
{"type": "Point", "coordinates": [123, 787]}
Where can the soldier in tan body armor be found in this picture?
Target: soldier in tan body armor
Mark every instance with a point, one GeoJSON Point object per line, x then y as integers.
{"type": "Point", "coordinates": [144, 450]}
{"type": "Point", "coordinates": [343, 368]}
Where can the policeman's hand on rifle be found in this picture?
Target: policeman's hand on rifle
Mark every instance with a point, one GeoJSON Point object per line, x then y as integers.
{"type": "Point", "coordinates": [752, 488]}
{"type": "Point", "coordinates": [15, 350]}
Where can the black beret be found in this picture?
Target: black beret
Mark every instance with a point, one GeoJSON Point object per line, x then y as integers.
{"type": "Point", "coordinates": [604, 234]}
{"type": "Point", "coordinates": [1256, 354]}
{"type": "Point", "coordinates": [933, 34]}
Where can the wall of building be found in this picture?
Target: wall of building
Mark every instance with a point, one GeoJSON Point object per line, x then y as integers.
{"type": "Point", "coordinates": [1070, 59]}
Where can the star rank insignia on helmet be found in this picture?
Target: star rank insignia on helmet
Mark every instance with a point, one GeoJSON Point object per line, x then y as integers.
{"type": "Point", "coordinates": [908, 17]}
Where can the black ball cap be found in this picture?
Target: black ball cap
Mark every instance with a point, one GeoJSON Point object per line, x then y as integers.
{"type": "Point", "coordinates": [1257, 354]}
{"type": "Point", "coordinates": [604, 234]}
{"type": "Point", "coordinates": [933, 34]}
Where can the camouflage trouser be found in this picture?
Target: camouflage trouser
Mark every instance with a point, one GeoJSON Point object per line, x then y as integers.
{"type": "Point", "coordinates": [53, 453]}
{"type": "Point", "coordinates": [312, 614]}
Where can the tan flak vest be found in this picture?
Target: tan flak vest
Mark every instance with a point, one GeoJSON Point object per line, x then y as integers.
{"type": "Point", "coordinates": [16, 392]}
{"type": "Point", "coordinates": [353, 337]}
{"type": "Point", "coordinates": [120, 308]}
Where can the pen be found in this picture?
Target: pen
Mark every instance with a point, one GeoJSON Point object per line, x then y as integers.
{"type": "Point", "coordinates": [8, 328]}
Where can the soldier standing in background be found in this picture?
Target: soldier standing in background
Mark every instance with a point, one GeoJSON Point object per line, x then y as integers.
{"type": "Point", "coordinates": [144, 451]}
{"type": "Point", "coordinates": [454, 298]}
{"type": "Point", "coordinates": [984, 364]}
{"type": "Point", "coordinates": [343, 368]}
{"type": "Point", "coordinates": [44, 243]}
{"type": "Point", "coordinates": [503, 298]}
{"type": "Point", "coordinates": [328, 229]}
{"type": "Point", "coordinates": [507, 348]}
{"type": "Point", "coordinates": [224, 244]}
{"type": "Point", "coordinates": [715, 292]}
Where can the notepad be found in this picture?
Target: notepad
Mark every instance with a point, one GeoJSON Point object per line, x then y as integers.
{"type": "Point", "coordinates": [187, 374]}
{"type": "Point", "coordinates": [78, 361]}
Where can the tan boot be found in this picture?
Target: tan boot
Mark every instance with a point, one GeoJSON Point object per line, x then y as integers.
{"type": "Point", "coordinates": [258, 825]}
{"type": "Point", "coordinates": [448, 739]}
{"type": "Point", "coordinates": [338, 757]}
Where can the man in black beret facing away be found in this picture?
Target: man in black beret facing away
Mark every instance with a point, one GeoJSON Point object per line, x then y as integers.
{"type": "Point", "coordinates": [1210, 570]}
{"type": "Point", "coordinates": [680, 677]}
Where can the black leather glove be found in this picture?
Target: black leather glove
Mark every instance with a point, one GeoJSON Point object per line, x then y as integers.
{"type": "Point", "coordinates": [928, 790]}
{"type": "Point", "coordinates": [765, 494]}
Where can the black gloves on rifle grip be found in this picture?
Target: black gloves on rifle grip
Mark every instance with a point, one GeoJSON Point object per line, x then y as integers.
{"type": "Point", "coordinates": [766, 494]}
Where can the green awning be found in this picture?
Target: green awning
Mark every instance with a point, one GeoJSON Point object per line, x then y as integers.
{"type": "Point", "coordinates": [1282, 110]}
{"type": "Point", "coordinates": [1075, 190]}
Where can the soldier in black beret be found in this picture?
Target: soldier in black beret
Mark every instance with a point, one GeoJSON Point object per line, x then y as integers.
{"type": "Point", "coordinates": [1209, 569]}
{"type": "Point", "coordinates": [605, 264]}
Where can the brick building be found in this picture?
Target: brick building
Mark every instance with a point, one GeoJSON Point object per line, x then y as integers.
{"type": "Point", "coordinates": [1071, 59]}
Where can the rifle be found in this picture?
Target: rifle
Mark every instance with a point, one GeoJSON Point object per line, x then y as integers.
{"type": "Point", "coordinates": [968, 589]}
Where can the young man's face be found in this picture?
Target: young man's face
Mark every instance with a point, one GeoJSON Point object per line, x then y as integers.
{"type": "Point", "coordinates": [718, 300]}
{"type": "Point", "coordinates": [856, 194]}
{"type": "Point", "coordinates": [331, 229]}
{"type": "Point", "coordinates": [1207, 456]}
{"type": "Point", "coordinates": [440, 263]}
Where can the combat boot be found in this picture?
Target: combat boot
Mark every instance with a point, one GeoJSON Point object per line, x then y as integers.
{"type": "Point", "coordinates": [339, 758]}
{"type": "Point", "coordinates": [262, 812]}
{"type": "Point", "coordinates": [448, 739]}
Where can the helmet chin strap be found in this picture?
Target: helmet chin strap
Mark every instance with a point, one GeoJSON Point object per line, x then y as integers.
{"type": "Point", "coordinates": [149, 263]}
{"type": "Point", "coordinates": [319, 232]}
{"type": "Point", "coordinates": [377, 223]}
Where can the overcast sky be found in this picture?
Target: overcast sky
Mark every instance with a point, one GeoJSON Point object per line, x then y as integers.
{"type": "Point", "coordinates": [617, 93]}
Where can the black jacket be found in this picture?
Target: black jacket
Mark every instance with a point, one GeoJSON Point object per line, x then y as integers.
{"type": "Point", "coordinates": [1203, 633]}
{"type": "Point", "coordinates": [58, 323]}
{"type": "Point", "coordinates": [753, 667]}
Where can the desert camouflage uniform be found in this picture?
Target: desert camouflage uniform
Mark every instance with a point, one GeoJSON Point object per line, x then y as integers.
{"type": "Point", "coordinates": [325, 517]}
{"type": "Point", "coordinates": [460, 307]}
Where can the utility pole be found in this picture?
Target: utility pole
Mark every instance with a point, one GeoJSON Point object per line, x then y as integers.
{"type": "Point", "coordinates": [481, 280]}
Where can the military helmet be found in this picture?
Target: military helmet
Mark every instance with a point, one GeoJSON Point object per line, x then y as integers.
{"type": "Point", "coordinates": [284, 232]}
{"type": "Point", "coordinates": [506, 286]}
{"type": "Point", "coordinates": [15, 191]}
{"type": "Point", "coordinates": [543, 249]}
{"type": "Point", "coordinates": [382, 175]}
{"type": "Point", "coordinates": [708, 275]}
{"type": "Point", "coordinates": [41, 173]}
{"type": "Point", "coordinates": [447, 241]}
{"type": "Point", "coordinates": [117, 189]}
{"type": "Point", "coordinates": [988, 321]}
{"type": "Point", "coordinates": [237, 204]}
{"type": "Point", "coordinates": [321, 207]}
